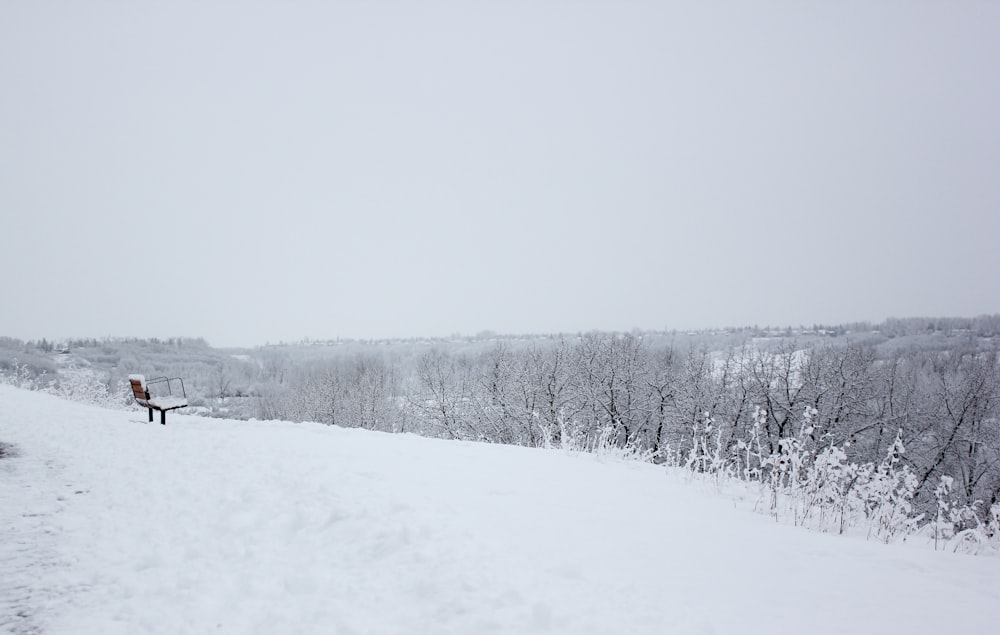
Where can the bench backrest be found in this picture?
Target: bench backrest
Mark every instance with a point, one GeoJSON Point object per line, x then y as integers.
{"type": "Point", "coordinates": [138, 390]}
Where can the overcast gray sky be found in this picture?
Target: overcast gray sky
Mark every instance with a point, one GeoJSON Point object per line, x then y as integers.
{"type": "Point", "coordinates": [264, 171]}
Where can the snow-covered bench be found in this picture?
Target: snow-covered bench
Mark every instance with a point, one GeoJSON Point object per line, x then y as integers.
{"type": "Point", "coordinates": [159, 401]}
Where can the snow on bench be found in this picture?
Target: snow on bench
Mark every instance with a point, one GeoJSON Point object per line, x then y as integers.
{"type": "Point", "coordinates": [161, 402]}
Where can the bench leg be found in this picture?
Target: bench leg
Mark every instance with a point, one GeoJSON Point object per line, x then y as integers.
{"type": "Point", "coordinates": [163, 417]}
{"type": "Point", "coordinates": [150, 415]}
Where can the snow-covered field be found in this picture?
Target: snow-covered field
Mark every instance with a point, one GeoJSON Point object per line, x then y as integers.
{"type": "Point", "coordinates": [109, 524]}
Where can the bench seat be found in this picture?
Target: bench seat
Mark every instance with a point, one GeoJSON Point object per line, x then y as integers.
{"type": "Point", "coordinates": [167, 403]}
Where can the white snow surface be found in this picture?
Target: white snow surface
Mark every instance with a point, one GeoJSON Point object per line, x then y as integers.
{"type": "Point", "coordinates": [168, 402]}
{"type": "Point", "coordinates": [109, 524]}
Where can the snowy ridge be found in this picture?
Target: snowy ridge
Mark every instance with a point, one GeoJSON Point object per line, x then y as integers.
{"type": "Point", "coordinates": [112, 525]}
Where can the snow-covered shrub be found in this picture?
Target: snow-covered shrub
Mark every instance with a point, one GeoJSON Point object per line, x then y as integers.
{"type": "Point", "coordinates": [748, 454]}
{"type": "Point", "coordinates": [982, 534]}
{"type": "Point", "coordinates": [606, 445]}
{"type": "Point", "coordinates": [787, 472]}
{"type": "Point", "coordinates": [888, 494]}
{"type": "Point", "coordinates": [574, 438]}
{"type": "Point", "coordinates": [964, 528]}
{"type": "Point", "coordinates": [816, 487]}
{"type": "Point", "coordinates": [87, 386]}
{"type": "Point", "coordinates": [943, 525]}
{"type": "Point", "coordinates": [569, 436]}
{"type": "Point", "coordinates": [826, 493]}
{"type": "Point", "coordinates": [18, 375]}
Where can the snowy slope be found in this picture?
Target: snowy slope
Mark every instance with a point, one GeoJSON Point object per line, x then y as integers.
{"type": "Point", "coordinates": [112, 525]}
